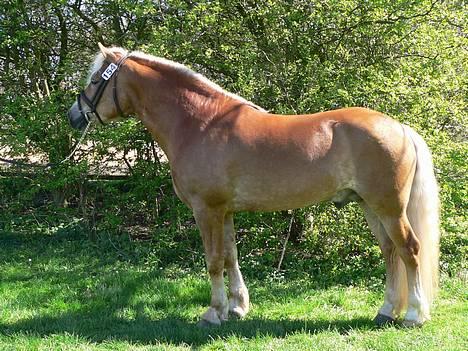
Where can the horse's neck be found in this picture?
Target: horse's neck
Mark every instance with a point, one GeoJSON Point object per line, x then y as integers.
{"type": "Point", "coordinates": [172, 111]}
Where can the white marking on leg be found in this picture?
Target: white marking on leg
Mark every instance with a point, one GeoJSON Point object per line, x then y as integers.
{"type": "Point", "coordinates": [218, 297]}
{"type": "Point", "coordinates": [418, 308]}
{"type": "Point", "coordinates": [238, 293]}
{"type": "Point", "coordinates": [388, 308]}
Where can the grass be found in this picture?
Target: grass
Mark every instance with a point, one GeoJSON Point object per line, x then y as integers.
{"type": "Point", "coordinates": [59, 292]}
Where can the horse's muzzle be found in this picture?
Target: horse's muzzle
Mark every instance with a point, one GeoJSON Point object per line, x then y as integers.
{"type": "Point", "coordinates": [76, 118]}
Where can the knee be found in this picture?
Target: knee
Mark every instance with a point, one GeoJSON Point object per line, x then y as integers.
{"type": "Point", "coordinates": [215, 265]}
{"type": "Point", "coordinates": [230, 259]}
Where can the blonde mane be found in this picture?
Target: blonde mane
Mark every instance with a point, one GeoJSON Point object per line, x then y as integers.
{"type": "Point", "coordinates": [99, 60]}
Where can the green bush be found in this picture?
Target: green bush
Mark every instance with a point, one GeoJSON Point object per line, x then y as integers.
{"type": "Point", "coordinates": [403, 58]}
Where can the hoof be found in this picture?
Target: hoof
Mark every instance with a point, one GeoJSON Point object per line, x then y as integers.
{"type": "Point", "coordinates": [238, 309]}
{"type": "Point", "coordinates": [212, 318]}
{"type": "Point", "coordinates": [411, 324]}
{"type": "Point", "coordinates": [237, 313]}
{"type": "Point", "coordinates": [382, 320]}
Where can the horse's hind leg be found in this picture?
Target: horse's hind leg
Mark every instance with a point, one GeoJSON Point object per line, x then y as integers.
{"type": "Point", "coordinates": [238, 293]}
{"type": "Point", "coordinates": [407, 246]}
{"type": "Point", "coordinates": [395, 280]}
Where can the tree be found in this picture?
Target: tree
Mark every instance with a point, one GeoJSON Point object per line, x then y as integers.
{"type": "Point", "coordinates": [406, 59]}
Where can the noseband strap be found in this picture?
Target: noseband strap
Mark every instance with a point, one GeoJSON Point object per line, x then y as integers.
{"type": "Point", "coordinates": [92, 103]}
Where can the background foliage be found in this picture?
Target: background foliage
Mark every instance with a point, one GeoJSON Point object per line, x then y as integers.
{"type": "Point", "coordinates": [407, 59]}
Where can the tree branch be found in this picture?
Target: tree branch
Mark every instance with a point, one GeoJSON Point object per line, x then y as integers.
{"type": "Point", "coordinates": [76, 8]}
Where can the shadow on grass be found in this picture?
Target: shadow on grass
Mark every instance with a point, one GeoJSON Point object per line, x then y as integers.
{"type": "Point", "coordinates": [173, 330]}
{"type": "Point", "coordinates": [100, 296]}
{"type": "Point", "coordinates": [100, 321]}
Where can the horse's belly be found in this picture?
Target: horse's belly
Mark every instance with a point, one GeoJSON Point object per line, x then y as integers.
{"type": "Point", "coordinates": [281, 194]}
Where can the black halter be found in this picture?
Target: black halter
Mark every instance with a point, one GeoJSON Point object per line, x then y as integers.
{"type": "Point", "coordinates": [92, 103]}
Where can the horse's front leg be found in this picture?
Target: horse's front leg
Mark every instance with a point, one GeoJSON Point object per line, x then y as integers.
{"type": "Point", "coordinates": [210, 221]}
{"type": "Point", "coordinates": [238, 293]}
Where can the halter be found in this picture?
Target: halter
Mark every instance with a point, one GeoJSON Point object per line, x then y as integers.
{"type": "Point", "coordinates": [103, 81]}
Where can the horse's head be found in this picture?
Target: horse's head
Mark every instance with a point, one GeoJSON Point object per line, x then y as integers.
{"type": "Point", "coordinates": [100, 99]}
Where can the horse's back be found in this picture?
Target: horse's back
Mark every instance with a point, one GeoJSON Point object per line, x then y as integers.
{"type": "Point", "coordinates": [282, 162]}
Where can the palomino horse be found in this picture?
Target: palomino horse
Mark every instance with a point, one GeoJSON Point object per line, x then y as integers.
{"type": "Point", "coordinates": [227, 155]}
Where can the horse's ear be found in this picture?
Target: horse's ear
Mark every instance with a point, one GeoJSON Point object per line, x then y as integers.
{"type": "Point", "coordinates": [108, 54]}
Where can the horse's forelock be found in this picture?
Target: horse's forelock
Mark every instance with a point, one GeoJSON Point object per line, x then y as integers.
{"type": "Point", "coordinates": [99, 60]}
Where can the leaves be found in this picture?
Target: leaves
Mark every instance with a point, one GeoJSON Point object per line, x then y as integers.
{"type": "Point", "coordinates": [406, 59]}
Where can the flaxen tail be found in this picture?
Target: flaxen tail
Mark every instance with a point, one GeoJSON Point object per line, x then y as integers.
{"type": "Point", "coordinates": [423, 213]}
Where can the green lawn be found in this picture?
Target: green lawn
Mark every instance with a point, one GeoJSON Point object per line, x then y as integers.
{"type": "Point", "coordinates": [59, 292]}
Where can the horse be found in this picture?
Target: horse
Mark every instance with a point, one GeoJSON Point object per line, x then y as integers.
{"type": "Point", "coordinates": [227, 154]}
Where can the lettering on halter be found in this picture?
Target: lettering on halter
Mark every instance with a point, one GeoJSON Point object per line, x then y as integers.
{"type": "Point", "coordinates": [109, 71]}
